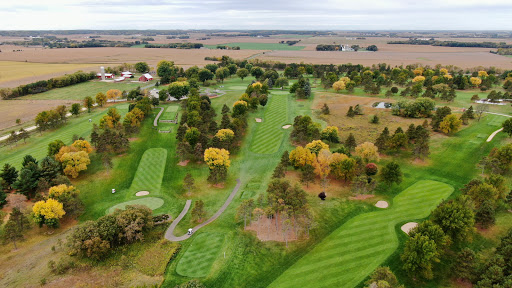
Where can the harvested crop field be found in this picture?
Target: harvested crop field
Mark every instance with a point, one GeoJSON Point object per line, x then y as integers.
{"type": "Point", "coordinates": [400, 55]}
{"type": "Point", "coordinates": [119, 55]}
{"type": "Point", "coordinates": [26, 110]}
{"type": "Point", "coordinates": [16, 73]}
{"type": "Point", "coordinates": [260, 46]}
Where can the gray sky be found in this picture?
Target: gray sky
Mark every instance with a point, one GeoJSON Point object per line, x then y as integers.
{"type": "Point", "coordinates": [262, 14]}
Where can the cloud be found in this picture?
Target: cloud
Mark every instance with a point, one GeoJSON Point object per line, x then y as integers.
{"type": "Point", "coordinates": [264, 14]}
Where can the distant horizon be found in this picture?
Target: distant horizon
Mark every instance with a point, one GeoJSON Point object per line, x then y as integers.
{"type": "Point", "coordinates": [277, 30]}
{"type": "Point", "coordinates": [437, 15]}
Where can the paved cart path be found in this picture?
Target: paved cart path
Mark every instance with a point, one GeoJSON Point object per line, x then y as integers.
{"type": "Point", "coordinates": [169, 234]}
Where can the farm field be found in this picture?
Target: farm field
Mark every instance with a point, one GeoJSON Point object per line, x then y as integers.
{"type": "Point", "coordinates": [260, 46]}
{"type": "Point", "coordinates": [354, 250]}
{"type": "Point", "coordinates": [25, 110]}
{"type": "Point", "coordinates": [80, 91]}
{"type": "Point", "coordinates": [11, 71]}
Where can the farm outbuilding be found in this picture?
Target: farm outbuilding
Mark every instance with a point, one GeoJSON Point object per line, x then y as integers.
{"type": "Point", "coordinates": [127, 74]}
{"type": "Point", "coordinates": [145, 77]}
{"type": "Point", "coordinates": [107, 75]}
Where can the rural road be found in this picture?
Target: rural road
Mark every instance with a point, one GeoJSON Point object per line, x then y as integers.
{"type": "Point", "coordinates": [155, 122]}
{"type": "Point", "coordinates": [169, 234]}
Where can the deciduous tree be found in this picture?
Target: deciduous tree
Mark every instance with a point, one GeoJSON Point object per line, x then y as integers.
{"type": "Point", "coordinates": [48, 213]}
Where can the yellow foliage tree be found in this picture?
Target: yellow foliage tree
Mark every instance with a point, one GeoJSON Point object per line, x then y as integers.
{"type": "Point", "coordinates": [300, 157]}
{"type": "Point", "coordinates": [482, 74]}
{"type": "Point", "coordinates": [322, 166]}
{"type": "Point", "coordinates": [338, 85]}
{"type": "Point", "coordinates": [418, 79]}
{"type": "Point", "coordinates": [418, 71]}
{"type": "Point", "coordinates": [342, 167]}
{"type": "Point", "coordinates": [443, 71]}
{"type": "Point", "coordinates": [74, 162]}
{"type": "Point", "coordinates": [48, 212]}
{"type": "Point", "coordinates": [316, 146]}
{"type": "Point", "coordinates": [215, 157]}
{"type": "Point", "coordinates": [448, 76]}
{"type": "Point", "coordinates": [225, 134]}
{"type": "Point", "coordinates": [82, 145]}
{"type": "Point", "coordinates": [63, 150]}
{"type": "Point", "coordinates": [367, 151]}
{"type": "Point", "coordinates": [240, 102]}
{"type": "Point", "coordinates": [450, 124]}
{"type": "Point", "coordinates": [62, 189]}
{"type": "Point", "coordinates": [114, 94]}
{"type": "Point", "coordinates": [101, 99]}
{"type": "Point", "coordinates": [475, 81]}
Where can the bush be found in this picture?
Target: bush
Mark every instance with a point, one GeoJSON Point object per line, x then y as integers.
{"type": "Point", "coordinates": [322, 195]}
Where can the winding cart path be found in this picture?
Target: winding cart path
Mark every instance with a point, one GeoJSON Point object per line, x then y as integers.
{"type": "Point", "coordinates": [169, 234]}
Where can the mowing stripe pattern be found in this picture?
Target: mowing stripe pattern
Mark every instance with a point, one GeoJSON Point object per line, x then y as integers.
{"type": "Point", "coordinates": [150, 172]}
{"type": "Point", "coordinates": [152, 203]}
{"type": "Point", "coordinates": [353, 251]}
{"type": "Point", "coordinates": [199, 257]}
{"type": "Point", "coordinates": [269, 134]}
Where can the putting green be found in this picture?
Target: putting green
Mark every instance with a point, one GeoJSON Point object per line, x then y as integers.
{"type": "Point", "coordinates": [199, 257]}
{"type": "Point", "coordinates": [269, 134]}
{"type": "Point", "coordinates": [150, 172]}
{"type": "Point", "coordinates": [152, 202]}
{"type": "Point", "coordinates": [353, 251]}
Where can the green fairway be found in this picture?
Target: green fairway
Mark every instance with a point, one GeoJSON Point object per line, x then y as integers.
{"type": "Point", "coordinates": [259, 46]}
{"type": "Point", "coordinates": [199, 257]}
{"type": "Point", "coordinates": [150, 172]}
{"type": "Point", "coordinates": [269, 133]}
{"type": "Point", "coordinates": [152, 202]}
{"type": "Point", "coordinates": [353, 251]}
{"type": "Point", "coordinates": [37, 145]}
{"type": "Point", "coordinates": [170, 113]}
{"type": "Point", "coordinates": [82, 90]}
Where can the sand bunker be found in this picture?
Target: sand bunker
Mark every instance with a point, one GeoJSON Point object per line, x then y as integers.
{"type": "Point", "coordinates": [258, 120]}
{"type": "Point", "coordinates": [382, 204]}
{"type": "Point", "coordinates": [287, 126]}
{"type": "Point", "coordinates": [142, 193]}
{"type": "Point", "coordinates": [407, 227]}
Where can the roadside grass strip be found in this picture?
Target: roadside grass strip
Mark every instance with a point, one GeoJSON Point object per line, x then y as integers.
{"type": "Point", "coordinates": [199, 257]}
{"type": "Point", "coordinates": [150, 171]}
{"type": "Point", "coordinates": [353, 251]}
{"type": "Point", "coordinates": [152, 203]}
{"type": "Point", "coordinates": [269, 134]}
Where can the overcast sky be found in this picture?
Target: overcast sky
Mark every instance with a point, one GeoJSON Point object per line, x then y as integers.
{"type": "Point", "coordinates": [262, 14]}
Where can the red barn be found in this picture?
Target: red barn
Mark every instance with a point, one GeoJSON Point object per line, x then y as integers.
{"type": "Point", "coordinates": [107, 76]}
{"type": "Point", "coordinates": [145, 77]}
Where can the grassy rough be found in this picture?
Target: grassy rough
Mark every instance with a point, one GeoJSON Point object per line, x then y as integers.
{"type": "Point", "coordinates": [82, 90]}
{"type": "Point", "coordinates": [199, 257]}
{"type": "Point", "coordinates": [359, 246]}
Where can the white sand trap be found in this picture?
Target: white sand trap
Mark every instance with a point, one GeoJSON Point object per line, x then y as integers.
{"type": "Point", "coordinates": [287, 126]}
{"type": "Point", "coordinates": [258, 120]}
{"type": "Point", "coordinates": [382, 204]}
{"type": "Point", "coordinates": [407, 227]}
{"type": "Point", "coordinates": [142, 193]}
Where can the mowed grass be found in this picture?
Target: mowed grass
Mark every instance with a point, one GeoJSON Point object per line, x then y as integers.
{"type": "Point", "coordinates": [170, 113]}
{"type": "Point", "coordinates": [82, 90]}
{"type": "Point", "coordinates": [37, 145]}
{"type": "Point", "coordinates": [269, 133]}
{"type": "Point", "coordinates": [150, 172]}
{"type": "Point", "coordinates": [152, 203]}
{"type": "Point", "coordinates": [11, 70]}
{"type": "Point", "coordinates": [199, 257]}
{"type": "Point", "coordinates": [353, 251]}
{"type": "Point", "coordinates": [259, 46]}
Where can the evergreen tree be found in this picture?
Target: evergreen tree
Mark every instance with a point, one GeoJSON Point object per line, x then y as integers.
{"type": "Point", "coordinates": [422, 145]}
{"type": "Point", "coordinates": [350, 143]}
{"type": "Point", "coordinates": [28, 179]}
{"type": "Point", "coordinates": [285, 159]}
{"type": "Point", "coordinates": [382, 141]}
{"type": "Point", "coordinates": [351, 112]}
{"type": "Point", "coordinates": [17, 224]}
{"type": "Point", "coordinates": [464, 267]}
{"type": "Point", "coordinates": [9, 175]}
{"type": "Point", "coordinates": [391, 173]}
{"type": "Point", "coordinates": [325, 109]}
{"type": "Point", "coordinates": [279, 171]}
{"type": "Point", "coordinates": [28, 159]}
{"type": "Point", "coordinates": [411, 132]}
{"type": "Point", "coordinates": [225, 110]}
{"type": "Point", "coordinates": [50, 169]}
{"type": "Point", "coordinates": [307, 175]}
{"type": "Point", "coordinates": [225, 122]}
{"type": "Point", "coordinates": [486, 214]}
{"type": "Point", "coordinates": [470, 112]}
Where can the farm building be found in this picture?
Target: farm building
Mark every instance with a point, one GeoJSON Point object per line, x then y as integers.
{"type": "Point", "coordinates": [120, 79]}
{"type": "Point", "coordinates": [107, 76]}
{"type": "Point", "coordinates": [127, 74]}
{"type": "Point", "coordinates": [145, 77]}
